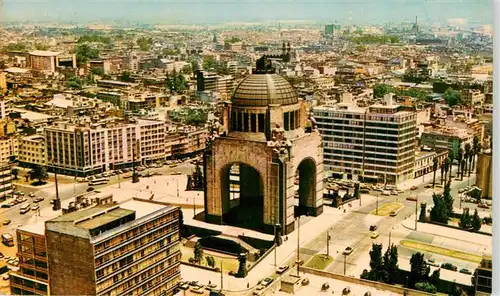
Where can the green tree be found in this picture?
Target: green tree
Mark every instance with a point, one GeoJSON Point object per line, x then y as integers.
{"type": "Point", "coordinates": [476, 148]}
{"type": "Point", "coordinates": [446, 168]}
{"type": "Point", "coordinates": [380, 90]}
{"type": "Point", "coordinates": [434, 169]}
{"type": "Point", "coordinates": [41, 46]}
{"type": "Point", "coordinates": [451, 156]}
{"type": "Point", "coordinates": [434, 278]}
{"type": "Point", "coordinates": [97, 71]}
{"type": "Point", "coordinates": [439, 212]}
{"type": "Point", "coordinates": [476, 221]}
{"type": "Point", "coordinates": [198, 178]}
{"type": "Point", "coordinates": [448, 199]}
{"type": "Point", "coordinates": [198, 253]}
{"type": "Point", "coordinates": [390, 265]}
{"type": "Point", "coordinates": [126, 76]}
{"type": "Point", "coordinates": [145, 43]}
{"type": "Point", "coordinates": [85, 53]}
{"type": "Point", "coordinates": [460, 156]}
{"type": "Point", "coordinates": [356, 190]}
{"type": "Point", "coordinates": [419, 270]}
{"type": "Point", "coordinates": [468, 153]}
{"type": "Point", "coordinates": [75, 83]}
{"type": "Point", "coordinates": [187, 70]}
{"type": "Point", "coordinates": [376, 264]}
{"type": "Point", "coordinates": [452, 97]}
{"type": "Point", "coordinates": [465, 220]}
{"type": "Point", "coordinates": [15, 172]}
{"type": "Point", "coordinates": [426, 287]}
{"type": "Point", "coordinates": [463, 166]}
{"type": "Point", "coordinates": [38, 173]}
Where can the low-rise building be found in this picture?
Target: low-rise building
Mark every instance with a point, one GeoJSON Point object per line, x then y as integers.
{"type": "Point", "coordinates": [424, 160]}
{"type": "Point", "coordinates": [186, 141]}
{"type": "Point", "coordinates": [32, 151]}
{"type": "Point", "coordinates": [484, 283]}
{"type": "Point", "coordinates": [446, 138]}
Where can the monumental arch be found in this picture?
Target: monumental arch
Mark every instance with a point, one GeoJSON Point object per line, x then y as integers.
{"type": "Point", "coordinates": [268, 141]}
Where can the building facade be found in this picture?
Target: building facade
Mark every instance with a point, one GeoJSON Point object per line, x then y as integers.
{"type": "Point", "coordinates": [5, 181]}
{"type": "Point", "coordinates": [224, 85]}
{"type": "Point", "coordinates": [185, 142]}
{"type": "Point", "coordinates": [32, 151]}
{"type": "Point", "coordinates": [115, 250]}
{"type": "Point", "coordinates": [376, 142]}
{"type": "Point", "coordinates": [484, 283]}
{"type": "Point", "coordinates": [33, 275]}
{"type": "Point", "coordinates": [86, 150]}
{"type": "Point", "coordinates": [446, 138]}
{"type": "Point", "coordinates": [267, 142]}
{"type": "Point", "coordinates": [484, 174]}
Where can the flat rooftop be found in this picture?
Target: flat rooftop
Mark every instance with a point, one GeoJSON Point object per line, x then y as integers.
{"type": "Point", "coordinates": [45, 53]}
{"type": "Point", "coordinates": [104, 219]}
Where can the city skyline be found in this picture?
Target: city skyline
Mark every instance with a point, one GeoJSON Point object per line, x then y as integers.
{"type": "Point", "coordinates": [175, 12]}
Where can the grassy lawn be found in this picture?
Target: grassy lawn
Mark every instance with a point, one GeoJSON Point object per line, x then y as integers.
{"type": "Point", "coordinates": [227, 263]}
{"type": "Point", "coordinates": [441, 251]}
{"type": "Point", "coordinates": [319, 261]}
{"type": "Point", "coordinates": [386, 209]}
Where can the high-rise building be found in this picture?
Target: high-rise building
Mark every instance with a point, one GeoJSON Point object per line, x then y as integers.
{"type": "Point", "coordinates": [377, 141]}
{"type": "Point", "coordinates": [126, 249]}
{"type": "Point", "coordinates": [84, 150]}
{"type": "Point", "coordinates": [212, 82]}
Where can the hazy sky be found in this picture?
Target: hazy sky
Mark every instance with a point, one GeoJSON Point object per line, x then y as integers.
{"type": "Point", "coordinates": [165, 11]}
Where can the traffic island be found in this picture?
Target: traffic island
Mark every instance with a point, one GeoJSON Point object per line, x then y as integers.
{"type": "Point", "coordinates": [386, 209]}
{"type": "Point", "coordinates": [441, 251]}
{"type": "Point", "coordinates": [319, 261]}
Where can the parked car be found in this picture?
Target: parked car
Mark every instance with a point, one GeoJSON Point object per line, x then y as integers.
{"type": "Point", "coordinates": [266, 282]}
{"type": "Point", "coordinates": [348, 250]}
{"type": "Point", "coordinates": [305, 282]}
{"type": "Point", "coordinates": [176, 173]}
{"type": "Point", "coordinates": [197, 290]}
{"type": "Point", "coordinates": [393, 214]}
{"type": "Point", "coordinates": [412, 198]}
{"type": "Point", "coordinates": [483, 206]}
{"type": "Point", "coordinates": [432, 262]}
{"type": "Point", "coordinates": [6, 222]}
{"type": "Point", "coordinates": [428, 186]}
{"type": "Point", "coordinates": [35, 208]}
{"type": "Point", "coordinates": [325, 287]}
{"type": "Point", "coordinates": [449, 266]}
{"type": "Point", "coordinates": [282, 269]}
{"type": "Point", "coordinates": [373, 227]}
{"type": "Point", "coordinates": [465, 271]}
{"type": "Point", "coordinates": [31, 194]}
{"type": "Point", "coordinates": [386, 192]}
{"type": "Point", "coordinates": [414, 188]}
{"type": "Point", "coordinates": [394, 192]}
{"type": "Point", "coordinates": [6, 277]}
{"type": "Point", "coordinates": [439, 186]}
{"type": "Point", "coordinates": [374, 234]}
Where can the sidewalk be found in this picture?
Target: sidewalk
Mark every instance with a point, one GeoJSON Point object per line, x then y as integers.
{"type": "Point", "coordinates": [427, 178]}
{"type": "Point", "coordinates": [482, 241]}
{"type": "Point", "coordinates": [308, 231]}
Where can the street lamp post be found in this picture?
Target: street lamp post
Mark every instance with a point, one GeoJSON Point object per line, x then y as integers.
{"type": "Point", "coordinates": [376, 210]}
{"type": "Point", "coordinates": [327, 244]}
{"type": "Point", "coordinates": [298, 244]}
{"type": "Point", "coordinates": [345, 263]}
{"type": "Point", "coordinates": [416, 213]}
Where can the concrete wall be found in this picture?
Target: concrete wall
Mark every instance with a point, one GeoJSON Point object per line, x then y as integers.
{"type": "Point", "coordinates": [71, 264]}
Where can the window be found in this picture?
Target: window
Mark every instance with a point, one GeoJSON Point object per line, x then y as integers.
{"type": "Point", "coordinates": [261, 123]}
{"type": "Point", "coordinates": [253, 123]}
{"type": "Point", "coordinates": [286, 121]}
{"type": "Point", "coordinates": [245, 122]}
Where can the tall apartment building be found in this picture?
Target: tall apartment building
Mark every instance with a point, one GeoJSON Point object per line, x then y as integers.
{"type": "Point", "coordinates": [32, 151]}
{"type": "Point", "coordinates": [9, 148]}
{"type": "Point", "coordinates": [85, 150]}
{"type": "Point", "coordinates": [5, 181]}
{"type": "Point", "coordinates": [128, 249]}
{"type": "Point", "coordinates": [379, 140]}
{"type": "Point", "coordinates": [472, 97]}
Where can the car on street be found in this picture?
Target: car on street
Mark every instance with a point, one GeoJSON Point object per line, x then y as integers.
{"type": "Point", "coordinates": [414, 188]}
{"type": "Point", "coordinates": [393, 214]}
{"type": "Point", "coordinates": [439, 186]}
{"type": "Point", "coordinates": [411, 198]}
{"type": "Point", "coordinates": [31, 194]}
{"type": "Point", "coordinates": [176, 173]}
{"type": "Point", "coordinates": [386, 192]}
{"type": "Point", "coordinates": [267, 281]}
{"type": "Point", "coordinates": [432, 262]}
{"type": "Point", "coordinates": [197, 290]}
{"type": "Point", "coordinates": [305, 282]}
{"type": "Point", "coordinates": [373, 227]}
{"type": "Point", "coordinates": [282, 269]}
{"type": "Point", "coordinates": [465, 271]}
{"type": "Point", "coordinates": [374, 234]}
{"type": "Point", "coordinates": [173, 165]}
{"type": "Point", "coordinates": [394, 192]}
{"type": "Point", "coordinates": [35, 208]}
{"type": "Point", "coordinates": [348, 250]}
{"type": "Point", "coordinates": [6, 222]}
{"type": "Point", "coordinates": [483, 206]}
{"type": "Point", "coordinates": [428, 186]}
{"type": "Point", "coordinates": [6, 277]}
{"type": "Point", "coordinates": [20, 193]}
{"type": "Point", "coordinates": [449, 266]}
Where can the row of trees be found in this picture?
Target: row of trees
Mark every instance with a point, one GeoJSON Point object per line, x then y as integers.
{"type": "Point", "coordinates": [469, 222]}
{"type": "Point", "coordinates": [380, 90]}
{"type": "Point", "coordinates": [466, 161]}
{"type": "Point", "coordinates": [383, 268]}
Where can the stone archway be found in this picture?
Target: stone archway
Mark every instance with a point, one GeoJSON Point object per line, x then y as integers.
{"type": "Point", "coordinates": [242, 192]}
{"type": "Point", "coordinates": [306, 172]}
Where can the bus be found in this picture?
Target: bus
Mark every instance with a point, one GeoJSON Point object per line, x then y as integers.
{"type": "Point", "coordinates": [100, 181]}
{"type": "Point", "coordinates": [25, 208]}
{"type": "Point", "coordinates": [7, 239]}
